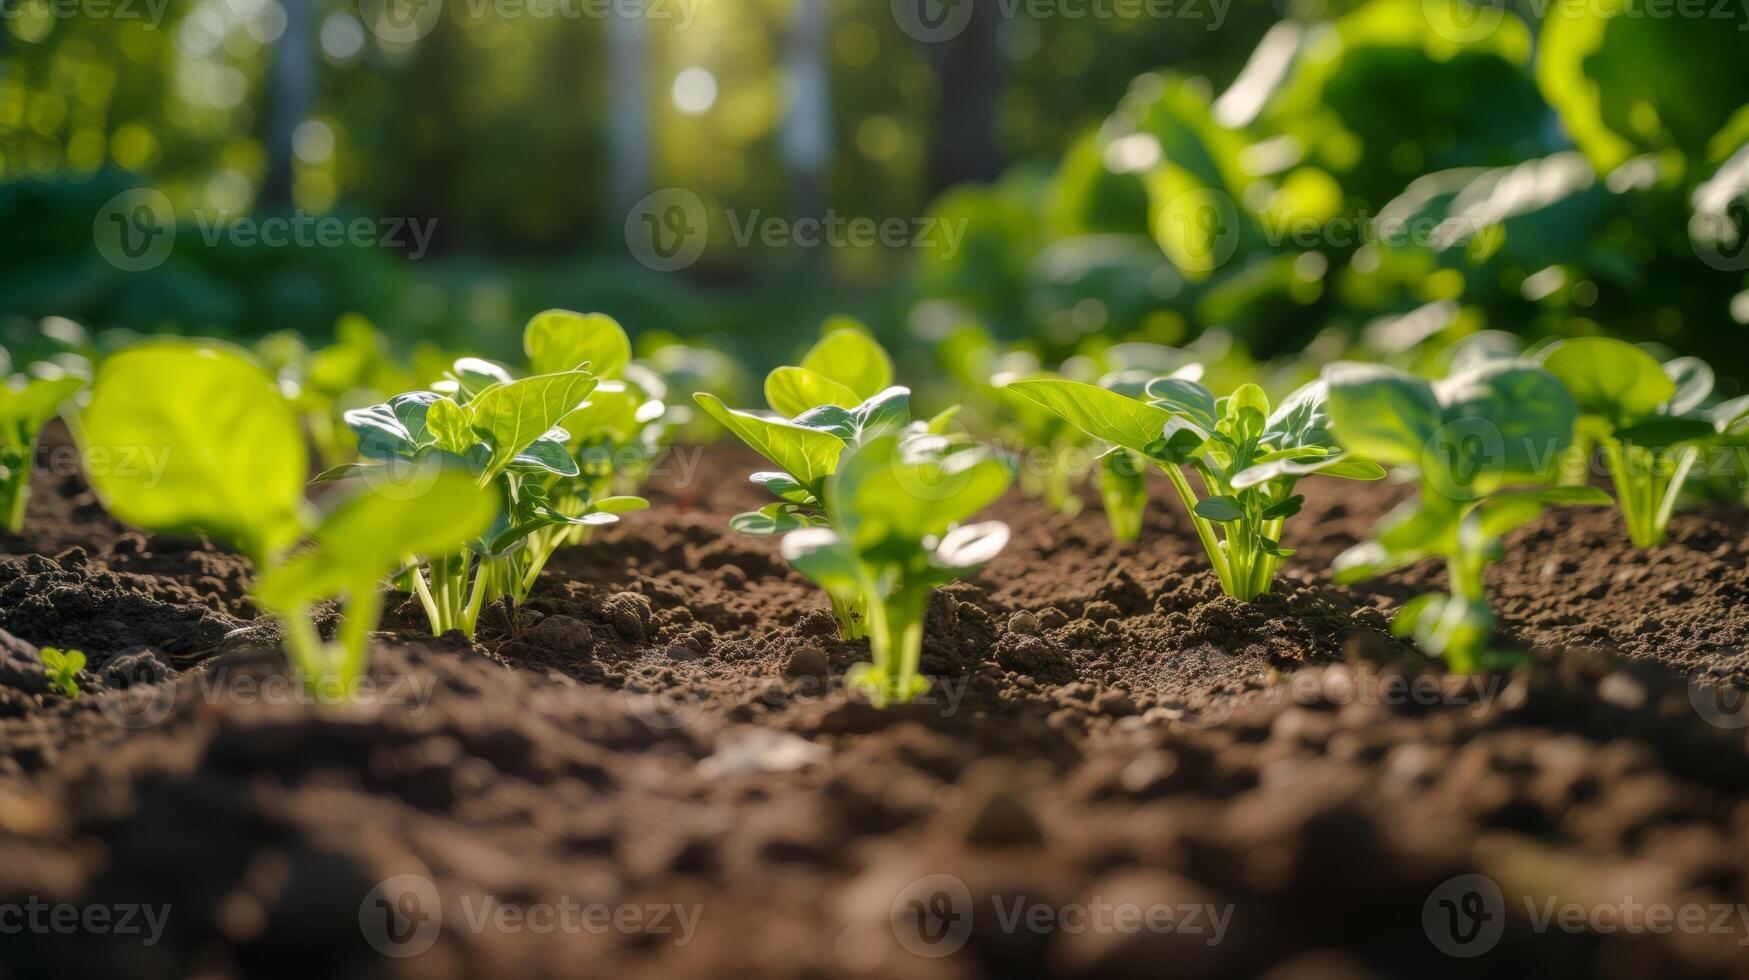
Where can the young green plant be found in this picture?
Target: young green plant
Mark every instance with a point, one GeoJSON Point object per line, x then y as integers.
{"type": "Point", "coordinates": [62, 668]}
{"type": "Point", "coordinates": [26, 405]}
{"type": "Point", "coordinates": [1485, 444]}
{"type": "Point", "coordinates": [1647, 419]}
{"type": "Point", "coordinates": [1247, 458]}
{"type": "Point", "coordinates": [894, 508]}
{"type": "Point", "coordinates": [234, 467]}
{"type": "Point", "coordinates": [838, 396]}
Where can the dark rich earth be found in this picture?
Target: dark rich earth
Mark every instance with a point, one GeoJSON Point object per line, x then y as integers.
{"type": "Point", "coordinates": [1117, 772]}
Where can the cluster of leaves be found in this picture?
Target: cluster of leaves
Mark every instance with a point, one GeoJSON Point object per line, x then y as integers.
{"type": "Point", "coordinates": [1650, 420]}
{"type": "Point", "coordinates": [1486, 444]}
{"type": "Point", "coordinates": [26, 405]}
{"type": "Point", "coordinates": [62, 668]}
{"type": "Point", "coordinates": [235, 462]}
{"type": "Point", "coordinates": [526, 440]}
{"type": "Point", "coordinates": [1248, 459]}
{"type": "Point", "coordinates": [869, 500]}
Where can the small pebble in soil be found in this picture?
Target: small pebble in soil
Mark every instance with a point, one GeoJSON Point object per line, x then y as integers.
{"type": "Point", "coordinates": [1024, 623]}
{"type": "Point", "coordinates": [807, 662]}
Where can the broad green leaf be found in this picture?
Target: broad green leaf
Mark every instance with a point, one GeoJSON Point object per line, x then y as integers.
{"type": "Point", "coordinates": [196, 437]}
{"type": "Point", "coordinates": [1219, 508]}
{"type": "Point", "coordinates": [474, 375]}
{"type": "Point", "coordinates": [1379, 413]}
{"type": "Point", "coordinates": [623, 504]}
{"type": "Point", "coordinates": [1100, 413]}
{"type": "Point", "coordinates": [449, 427]}
{"type": "Point", "coordinates": [558, 341]}
{"type": "Point", "coordinates": [824, 556]}
{"type": "Point", "coordinates": [31, 406]}
{"type": "Point", "coordinates": [411, 409]}
{"type": "Point", "coordinates": [1725, 415]}
{"type": "Point", "coordinates": [852, 358]}
{"type": "Point", "coordinates": [1302, 420]}
{"type": "Point", "coordinates": [1667, 430]}
{"type": "Point", "coordinates": [889, 408]}
{"type": "Point", "coordinates": [896, 493]}
{"type": "Point", "coordinates": [809, 455]}
{"type": "Point", "coordinates": [790, 391]}
{"type": "Point", "coordinates": [1693, 379]}
{"type": "Point", "coordinates": [1283, 509]}
{"type": "Point", "coordinates": [1609, 377]}
{"type": "Point", "coordinates": [513, 416]}
{"type": "Point", "coordinates": [770, 519]}
{"type": "Point", "coordinates": [1340, 466]}
{"type": "Point", "coordinates": [784, 486]}
{"type": "Point", "coordinates": [841, 422]}
{"type": "Point", "coordinates": [550, 453]}
{"type": "Point", "coordinates": [380, 433]}
{"type": "Point", "coordinates": [1505, 422]}
{"type": "Point", "coordinates": [1249, 396]}
{"type": "Point", "coordinates": [1186, 398]}
{"type": "Point", "coordinates": [370, 534]}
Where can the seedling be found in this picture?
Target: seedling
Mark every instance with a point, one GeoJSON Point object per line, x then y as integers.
{"type": "Point", "coordinates": [1646, 417]}
{"type": "Point", "coordinates": [838, 396]}
{"type": "Point", "coordinates": [26, 405]}
{"type": "Point", "coordinates": [895, 505]}
{"type": "Point", "coordinates": [62, 668]}
{"type": "Point", "coordinates": [1485, 443]}
{"type": "Point", "coordinates": [523, 439]}
{"type": "Point", "coordinates": [235, 463]}
{"type": "Point", "coordinates": [1247, 458]}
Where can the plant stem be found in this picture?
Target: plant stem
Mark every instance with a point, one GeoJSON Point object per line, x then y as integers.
{"type": "Point", "coordinates": [15, 491]}
{"type": "Point", "coordinates": [846, 610]}
{"type": "Point", "coordinates": [895, 638]}
{"type": "Point", "coordinates": [1203, 529]}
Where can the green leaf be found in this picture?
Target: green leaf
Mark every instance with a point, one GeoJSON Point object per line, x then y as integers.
{"type": "Point", "coordinates": [887, 409]}
{"type": "Point", "coordinates": [474, 375]}
{"type": "Point", "coordinates": [790, 391]}
{"type": "Point", "coordinates": [30, 407]}
{"type": "Point", "coordinates": [1220, 508]}
{"type": "Point", "coordinates": [513, 416]}
{"type": "Point", "coordinates": [824, 556]}
{"type": "Point", "coordinates": [380, 432]}
{"type": "Point", "coordinates": [370, 534]}
{"type": "Point", "coordinates": [1610, 377]}
{"type": "Point", "coordinates": [1282, 509]}
{"type": "Point", "coordinates": [1725, 415]}
{"type": "Point", "coordinates": [623, 504]}
{"type": "Point", "coordinates": [558, 341]}
{"type": "Point", "coordinates": [771, 519]}
{"type": "Point", "coordinates": [1100, 413]}
{"type": "Point", "coordinates": [895, 493]}
{"type": "Point", "coordinates": [449, 426]}
{"type": "Point", "coordinates": [1340, 466]}
{"type": "Point", "coordinates": [1667, 430]}
{"type": "Point", "coordinates": [1180, 444]}
{"type": "Point", "coordinates": [841, 422]}
{"type": "Point", "coordinates": [550, 453]}
{"type": "Point", "coordinates": [849, 356]}
{"type": "Point", "coordinates": [1506, 422]}
{"type": "Point", "coordinates": [808, 455]}
{"type": "Point", "coordinates": [197, 437]}
{"type": "Point", "coordinates": [1381, 414]}
{"type": "Point", "coordinates": [784, 486]}
{"type": "Point", "coordinates": [1187, 399]}
{"type": "Point", "coordinates": [1302, 421]}
{"type": "Point", "coordinates": [411, 410]}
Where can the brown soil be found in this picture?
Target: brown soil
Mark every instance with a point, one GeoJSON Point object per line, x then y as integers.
{"type": "Point", "coordinates": [664, 735]}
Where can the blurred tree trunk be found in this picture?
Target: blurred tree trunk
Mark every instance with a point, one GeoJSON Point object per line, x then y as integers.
{"type": "Point", "coordinates": [970, 68]}
{"type": "Point", "coordinates": [628, 122]}
{"type": "Point", "coordinates": [294, 89]}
